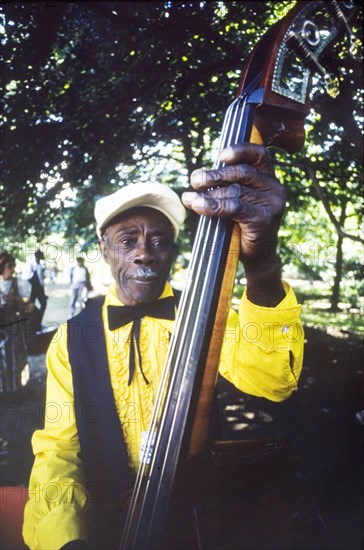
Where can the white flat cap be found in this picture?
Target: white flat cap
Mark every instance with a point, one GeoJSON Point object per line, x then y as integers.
{"type": "Point", "coordinates": [153, 195]}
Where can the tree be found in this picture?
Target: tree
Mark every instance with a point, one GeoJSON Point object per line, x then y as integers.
{"type": "Point", "coordinates": [95, 91]}
{"type": "Point", "coordinates": [92, 85]}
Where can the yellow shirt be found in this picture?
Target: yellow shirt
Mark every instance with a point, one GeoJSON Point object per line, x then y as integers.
{"type": "Point", "coordinates": [261, 355]}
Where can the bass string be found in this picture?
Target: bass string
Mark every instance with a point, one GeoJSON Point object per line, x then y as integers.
{"type": "Point", "coordinates": [230, 133]}
{"type": "Point", "coordinates": [203, 237]}
{"type": "Point", "coordinates": [197, 262]}
{"type": "Point", "coordinates": [150, 496]}
{"type": "Point", "coordinates": [198, 258]}
{"type": "Point", "coordinates": [167, 381]}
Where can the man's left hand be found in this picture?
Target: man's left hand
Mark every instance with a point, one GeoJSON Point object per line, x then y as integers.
{"type": "Point", "coordinates": [244, 190]}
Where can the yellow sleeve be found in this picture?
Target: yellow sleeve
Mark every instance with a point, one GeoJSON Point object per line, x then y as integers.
{"type": "Point", "coordinates": [55, 512]}
{"type": "Point", "coordinates": [262, 352]}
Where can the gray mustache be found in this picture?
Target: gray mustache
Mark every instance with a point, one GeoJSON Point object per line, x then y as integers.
{"type": "Point", "coordinates": [145, 273]}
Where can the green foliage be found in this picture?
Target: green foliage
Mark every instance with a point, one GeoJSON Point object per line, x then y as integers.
{"type": "Point", "coordinates": [100, 94]}
{"type": "Point", "coordinates": [91, 89]}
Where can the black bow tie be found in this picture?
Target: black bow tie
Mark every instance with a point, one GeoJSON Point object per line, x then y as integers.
{"type": "Point", "coordinates": [119, 316]}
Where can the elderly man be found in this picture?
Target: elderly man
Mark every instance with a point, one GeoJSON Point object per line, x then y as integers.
{"type": "Point", "coordinates": [102, 389]}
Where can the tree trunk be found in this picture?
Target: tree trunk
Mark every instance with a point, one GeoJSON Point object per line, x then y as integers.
{"type": "Point", "coordinates": [335, 294]}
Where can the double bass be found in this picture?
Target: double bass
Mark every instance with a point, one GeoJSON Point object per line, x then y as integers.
{"type": "Point", "coordinates": [186, 491]}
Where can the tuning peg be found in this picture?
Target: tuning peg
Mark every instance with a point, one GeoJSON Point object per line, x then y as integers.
{"type": "Point", "coordinates": [354, 45]}
{"type": "Point", "coordinates": [331, 85]}
{"type": "Point", "coordinates": [308, 58]}
{"type": "Point", "coordinates": [340, 19]}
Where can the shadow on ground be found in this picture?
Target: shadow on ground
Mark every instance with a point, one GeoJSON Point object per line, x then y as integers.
{"type": "Point", "coordinates": [319, 422]}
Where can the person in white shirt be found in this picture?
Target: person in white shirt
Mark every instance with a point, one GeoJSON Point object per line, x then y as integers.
{"type": "Point", "coordinates": [80, 280]}
{"type": "Point", "coordinates": [34, 273]}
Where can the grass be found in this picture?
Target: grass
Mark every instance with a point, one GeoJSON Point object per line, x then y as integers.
{"type": "Point", "coordinates": [315, 300]}
{"type": "Point", "coordinates": [316, 312]}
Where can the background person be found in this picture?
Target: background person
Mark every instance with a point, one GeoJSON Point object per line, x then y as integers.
{"type": "Point", "coordinates": [34, 272]}
{"type": "Point", "coordinates": [80, 285]}
{"type": "Point", "coordinates": [53, 273]}
{"type": "Point", "coordinates": [15, 308]}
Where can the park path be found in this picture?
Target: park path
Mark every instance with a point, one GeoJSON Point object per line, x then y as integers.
{"type": "Point", "coordinates": [58, 303]}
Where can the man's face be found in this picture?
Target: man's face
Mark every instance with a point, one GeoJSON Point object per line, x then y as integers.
{"type": "Point", "coordinates": [139, 249]}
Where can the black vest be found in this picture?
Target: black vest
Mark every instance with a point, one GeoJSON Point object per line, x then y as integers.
{"type": "Point", "coordinates": [103, 449]}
